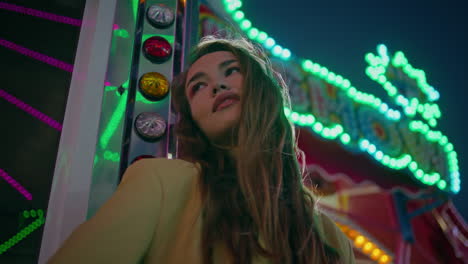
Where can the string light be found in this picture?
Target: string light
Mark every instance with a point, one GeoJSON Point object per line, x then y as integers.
{"type": "Point", "coordinates": [378, 66]}
{"type": "Point", "coordinates": [30, 110]}
{"type": "Point", "coordinates": [365, 245]}
{"type": "Point", "coordinates": [39, 214]}
{"type": "Point", "coordinates": [40, 14]}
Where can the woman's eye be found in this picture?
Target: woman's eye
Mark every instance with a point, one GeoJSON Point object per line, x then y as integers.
{"type": "Point", "coordinates": [231, 70]}
{"type": "Point", "coordinates": [196, 87]}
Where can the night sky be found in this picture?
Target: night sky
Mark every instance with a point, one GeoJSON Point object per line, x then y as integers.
{"type": "Point", "coordinates": [336, 34]}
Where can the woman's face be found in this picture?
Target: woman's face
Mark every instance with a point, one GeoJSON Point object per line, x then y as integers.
{"type": "Point", "coordinates": [210, 79]}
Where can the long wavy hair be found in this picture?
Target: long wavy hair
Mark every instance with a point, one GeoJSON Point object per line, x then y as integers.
{"type": "Point", "coordinates": [256, 205]}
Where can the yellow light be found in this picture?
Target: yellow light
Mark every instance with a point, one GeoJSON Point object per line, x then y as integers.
{"type": "Point", "coordinates": [384, 259]}
{"type": "Point", "coordinates": [359, 241]}
{"type": "Point", "coordinates": [368, 247]}
{"type": "Point", "coordinates": [376, 254]}
{"type": "Point", "coordinates": [154, 86]}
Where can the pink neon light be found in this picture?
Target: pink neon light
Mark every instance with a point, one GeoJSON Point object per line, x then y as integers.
{"type": "Point", "coordinates": [30, 110]}
{"type": "Point", "coordinates": [36, 55]}
{"type": "Point", "coordinates": [40, 14]}
{"type": "Point", "coordinates": [45, 15]}
{"type": "Point", "coordinates": [15, 184]}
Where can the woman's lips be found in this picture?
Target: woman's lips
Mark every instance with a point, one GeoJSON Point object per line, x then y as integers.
{"type": "Point", "coordinates": [226, 103]}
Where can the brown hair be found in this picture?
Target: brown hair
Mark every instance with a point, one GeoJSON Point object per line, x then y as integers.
{"type": "Point", "coordinates": [256, 205]}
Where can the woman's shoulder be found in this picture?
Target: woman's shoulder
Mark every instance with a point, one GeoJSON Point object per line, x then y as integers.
{"type": "Point", "coordinates": [166, 166]}
{"type": "Point", "coordinates": [333, 236]}
{"type": "Point", "coordinates": [167, 172]}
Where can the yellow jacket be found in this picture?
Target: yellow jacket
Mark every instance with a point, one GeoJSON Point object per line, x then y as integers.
{"type": "Point", "coordinates": [154, 217]}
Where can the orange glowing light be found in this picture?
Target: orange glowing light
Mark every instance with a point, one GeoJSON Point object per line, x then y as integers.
{"type": "Point", "coordinates": [368, 247]}
{"type": "Point", "coordinates": [154, 86]}
{"type": "Point", "coordinates": [376, 254]}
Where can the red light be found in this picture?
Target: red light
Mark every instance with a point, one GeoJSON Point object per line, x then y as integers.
{"type": "Point", "coordinates": [157, 49]}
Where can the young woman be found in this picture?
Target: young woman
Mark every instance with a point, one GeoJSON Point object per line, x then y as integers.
{"type": "Point", "coordinates": [235, 195]}
{"type": "Point", "coordinates": [254, 202]}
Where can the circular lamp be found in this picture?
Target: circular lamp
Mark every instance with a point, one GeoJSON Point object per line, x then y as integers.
{"type": "Point", "coordinates": [157, 49]}
{"type": "Point", "coordinates": [150, 126]}
{"type": "Point", "coordinates": [160, 16]}
{"type": "Point", "coordinates": [154, 86]}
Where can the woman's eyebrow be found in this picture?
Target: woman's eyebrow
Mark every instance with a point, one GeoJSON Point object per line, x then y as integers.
{"type": "Point", "coordinates": [196, 76]}
{"type": "Point", "coordinates": [225, 63]}
{"type": "Point", "coordinates": [201, 74]}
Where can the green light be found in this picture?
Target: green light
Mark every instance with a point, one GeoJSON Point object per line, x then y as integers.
{"type": "Point", "coordinates": [442, 184]}
{"type": "Point", "coordinates": [231, 8]}
{"type": "Point", "coordinates": [121, 33]}
{"type": "Point", "coordinates": [339, 80]}
{"type": "Point", "coordinates": [277, 50]}
{"type": "Point", "coordinates": [316, 68]}
{"type": "Point", "coordinates": [369, 57]}
{"type": "Point", "coordinates": [345, 138]}
{"type": "Point", "coordinates": [114, 122]}
{"type": "Point", "coordinates": [307, 64]}
{"type": "Point", "coordinates": [371, 149]}
{"type": "Point", "coordinates": [303, 120]}
{"type": "Point", "coordinates": [364, 144]}
{"type": "Point", "coordinates": [324, 71]}
{"type": "Point", "coordinates": [318, 127]}
{"type": "Point", "coordinates": [386, 160]}
{"type": "Point", "coordinates": [382, 79]}
{"type": "Point", "coordinates": [379, 155]}
{"type": "Point", "coordinates": [419, 174]}
{"type": "Point", "coordinates": [262, 36]}
{"type": "Point", "coordinates": [238, 15]}
{"type": "Point", "coordinates": [245, 24]}
{"type": "Point", "coordinates": [269, 43]}
{"type": "Point", "coordinates": [286, 54]}
{"type": "Point", "coordinates": [295, 116]}
{"type": "Point", "coordinates": [134, 9]}
{"type": "Point", "coordinates": [427, 179]}
{"type": "Point", "coordinates": [253, 33]}
{"type": "Point", "coordinates": [448, 147]}
{"type": "Point", "coordinates": [346, 83]}
{"type": "Point", "coordinates": [378, 72]}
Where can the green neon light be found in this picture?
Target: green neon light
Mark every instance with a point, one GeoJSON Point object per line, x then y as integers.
{"type": "Point", "coordinates": [121, 33]}
{"type": "Point", "coordinates": [118, 114]}
{"type": "Point", "coordinates": [378, 66]}
{"type": "Point", "coordinates": [25, 231]}
{"type": "Point", "coordinates": [135, 9]}
{"type": "Point", "coordinates": [115, 119]}
{"type": "Point", "coordinates": [376, 71]}
{"type": "Point", "coordinates": [112, 156]}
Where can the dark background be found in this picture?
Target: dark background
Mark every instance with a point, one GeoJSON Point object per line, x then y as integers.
{"type": "Point", "coordinates": [336, 34]}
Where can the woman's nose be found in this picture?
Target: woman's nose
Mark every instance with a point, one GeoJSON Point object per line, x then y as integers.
{"type": "Point", "coordinates": [219, 87]}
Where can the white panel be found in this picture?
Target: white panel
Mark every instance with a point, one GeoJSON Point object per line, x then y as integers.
{"type": "Point", "coordinates": [68, 202]}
